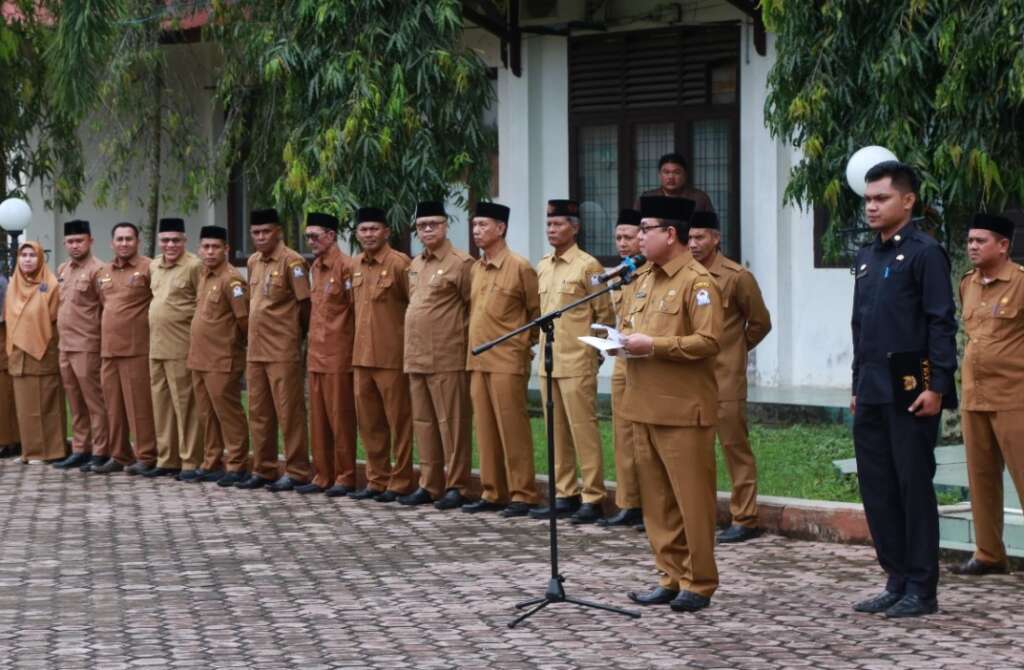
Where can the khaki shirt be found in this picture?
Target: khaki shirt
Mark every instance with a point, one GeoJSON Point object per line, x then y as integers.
{"type": "Point", "coordinates": [679, 306]}
{"type": "Point", "coordinates": [277, 284]}
{"type": "Point", "coordinates": [80, 313]}
{"type": "Point", "coordinates": [562, 280]}
{"type": "Point", "coordinates": [380, 289]}
{"type": "Point", "coordinates": [174, 304]}
{"type": "Point", "coordinates": [332, 326]}
{"type": "Point", "coordinates": [437, 323]}
{"type": "Point", "coordinates": [993, 314]}
{"type": "Point", "coordinates": [217, 342]}
{"type": "Point", "coordinates": [702, 199]}
{"type": "Point", "coordinates": [504, 296]}
{"type": "Point", "coordinates": [745, 323]}
{"type": "Point", "coordinates": [125, 294]}
{"type": "Point", "coordinates": [622, 300]}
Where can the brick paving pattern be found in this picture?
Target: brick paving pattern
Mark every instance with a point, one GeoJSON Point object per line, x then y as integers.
{"type": "Point", "coordinates": [123, 572]}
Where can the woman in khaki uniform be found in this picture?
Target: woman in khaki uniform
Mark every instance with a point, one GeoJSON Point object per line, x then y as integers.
{"type": "Point", "coordinates": [31, 306]}
{"type": "Point", "coordinates": [9, 439]}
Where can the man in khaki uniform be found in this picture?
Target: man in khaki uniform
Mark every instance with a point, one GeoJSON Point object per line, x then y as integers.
{"type": "Point", "coordinates": [124, 349]}
{"type": "Point", "coordinates": [278, 319]}
{"type": "Point", "coordinates": [745, 323]}
{"type": "Point", "coordinates": [627, 485]}
{"type": "Point", "coordinates": [174, 280]}
{"type": "Point", "coordinates": [380, 290]}
{"type": "Point", "coordinates": [436, 328]}
{"type": "Point", "coordinates": [565, 276]}
{"type": "Point", "coordinates": [504, 296]}
{"type": "Point", "coordinates": [9, 438]}
{"type": "Point", "coordinates": [674, 175]}
{"type": "Point", "coordinates": [332, 402]}
{"type": "Point", "coordinates": [78, 328]}
{"type": "Point", "coordinates": [216, 359]}
{"type": "Point", "coordinates": [674, 326]}
{"type": "Point", "coordinates": [992, 411]}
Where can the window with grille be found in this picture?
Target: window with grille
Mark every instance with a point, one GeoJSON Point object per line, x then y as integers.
{"type": "Point", "coordinates": [636, 96]}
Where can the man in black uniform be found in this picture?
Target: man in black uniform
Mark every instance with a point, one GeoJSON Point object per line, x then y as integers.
{"type": "Point", "coordinates": [902, 311]}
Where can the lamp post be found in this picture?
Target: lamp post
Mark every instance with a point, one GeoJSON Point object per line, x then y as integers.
{"type": "Point", "coordinates": [15, 215]}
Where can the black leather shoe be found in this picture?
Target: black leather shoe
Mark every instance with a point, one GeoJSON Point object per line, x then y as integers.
{"type": "Point", "coordinates": [630, 516]}
{"type": "Point", "coordinates": [976, 568]}
{"type": "Point", "coordinates": [188, 476]}
{"type": "Point", "coordinates": [386, 497]}
{"type": "Point", "coordinates": [420, 496]}
{"type": "Point", "coordinates": [285, 483]}
{"type": "Point", "coordinates": [232, 479]}
{"type": "Point", "coordinates": [309, 488]}
{"type": "Point", "coordinates": [564, 507]}
{"type": "Point", "coordinates": [912, 606]}
{"type": "Point", "coordinates": [640, 527]}
{"type": "Point", "coordinates": [735, 533]}
{"type": "Point", "coordinates": [138, 467]}
{"type": "Point", "coordinates": [450, 500]}
{"type": "Point", "coordinates": [93, 462]}
{"type": "Point", "coordinates": [365, 494]}
{"type": "Point", "coordinates": [657, 596]}
{"type": "Point", "coordinates": [338, 491]}
{"type": "Point", "coordinates": [482, 506]}
{"type": "Point", "coordinates": [6, 451]}
{"type": "Point", "coordinates": [159, 472]}
{"type": "Point", "coordinates": [587, 513]}
{"type": "Point", "coordinates": [253, 482]}
{"type": "Point", "coordinates": [688, 601]}
{"type": "Point", "coordinates": [110, 466]}
{"type": "Point", "coordinates": [879, 603]}
{"type": "Point", "coordinates": [515, 509]}
{"type": "Point", "coordinates": [72, 461]}
{"type": "Point", "coordinates": [210, 475]}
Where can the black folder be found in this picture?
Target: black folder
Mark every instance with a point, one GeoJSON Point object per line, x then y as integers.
{"type": "Point", "coordinates": [911, 374]}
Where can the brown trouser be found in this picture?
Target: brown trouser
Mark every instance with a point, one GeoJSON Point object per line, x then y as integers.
{"type": "Point", "coordinates": [992, 440]}
{"type": "Point", "coordinates": [627, 484]}
{"type": "Point", "coordinates": [441, 422]}
{"type": "Point", "coordinates": [41, 422]}
{"type": "Point", "coordinates": [576, 436]}
{"type": "Point", "coordinates": [383, 407]}
{"type": "Point", "coordinates": [276, 397]}
{"type": "Point", "coordinates": [125, 382]}
{"type": "Point", "coordinates": [179, 441]}
{"type": "Point", "coordinates": [8, 412]}
{"type": "Point", "coordinates": [503, 437]}
{"type": "Point", "coordinates": [677, 487]}
{"type": "Point", "coordinates": [739, 459]}
{"type": "Point", "coordinates": [332, 423]}
{"type": "Point", "coordinates": [219, 408]}
{"type": "Point", "coordinates": [80, 374]}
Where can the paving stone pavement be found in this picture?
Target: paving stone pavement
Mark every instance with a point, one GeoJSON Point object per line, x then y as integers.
{"type": "Point", "coordinates": [123, 572]}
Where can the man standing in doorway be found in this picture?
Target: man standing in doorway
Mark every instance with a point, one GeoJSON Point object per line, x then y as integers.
{"type": "Point", "coordinates": [674, 175]}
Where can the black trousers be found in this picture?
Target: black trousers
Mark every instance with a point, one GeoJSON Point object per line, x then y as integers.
{"type": "Point", "coordinates": [895, 466]}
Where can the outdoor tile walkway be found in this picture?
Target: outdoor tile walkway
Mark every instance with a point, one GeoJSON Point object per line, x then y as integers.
{"type": "Point", "coordinates": [119, 572]}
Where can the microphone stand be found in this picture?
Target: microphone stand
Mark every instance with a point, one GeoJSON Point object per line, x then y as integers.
{"type": "Point", "coordinates": [555, 592]}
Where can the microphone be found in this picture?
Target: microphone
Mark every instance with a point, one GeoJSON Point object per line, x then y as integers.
{"type": "Point", "coordinates": [627, 267]}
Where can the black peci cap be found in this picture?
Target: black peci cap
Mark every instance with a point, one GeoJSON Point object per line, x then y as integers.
{"type": "Point", "coordinates": [371, 215]}
{"type": "Point", "coordinates": [492, 210]}
{"type": "Point", "coordinates": [563, 208]}
{"type": "Point", "coordinates": [261, 217]}
{"type": "Point", "coordinates": [170, 226]}
{"type": "Point", "coordinates": [628, 217]}
{"type": "Point", "coordinates": [666, 207]}
{"type": "Point", "coordinates": [997, 224]}
{"type": "Point", "coordinates": [430, 208]}
{"type": "Point", "coordinates": [213, 233]}
{"type": "Point", "coordinates": [704, 220]}
{"type": "Point", "coordinates": [77, 227]}
{"type": "Point", "coordinates": [328, 221]}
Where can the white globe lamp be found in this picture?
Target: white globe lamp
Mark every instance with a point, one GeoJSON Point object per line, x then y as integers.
{"type": "Point", "coordinates": [862, 161]}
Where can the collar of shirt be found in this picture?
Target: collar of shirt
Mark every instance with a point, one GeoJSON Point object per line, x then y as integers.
{"type": "Point", "coordinates": [716, 265]}
{"type": "Point", "coordinates": [568, 256]}
{"type": "Point", "coordinates": [897, 240]}
{"type": "Point", "coordinates": [274, 253]}
{"type": "Point", "coordinates": [1004, 275]}
{"type": "Point", "coordinates": [164, 264]}
{"type": "Point", "coordinates": [675, 265]}
{"type": "Point", "coordinates": [72, 263]}
{"type": "Point", "coordinates": [213, 272]}
{"type": "Point", "coordinates": [379, 258]}
{"type": "Point", "coordinates": [120, 262]}
{"type": "Point", "coordinates": [440, 254]}
{"type": "Point", "coordinates": [496, 260]}
{"type": "Point", "coordinates": [327, 259]}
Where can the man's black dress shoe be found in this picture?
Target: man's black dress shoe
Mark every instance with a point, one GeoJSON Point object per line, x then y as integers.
{"type": "Point", "coordinates": [210, 475]}
{"type": "Point", "coordinates": [365, 494]}
{"type": "Point", "coordinates": [912, 606]}
{"type": "Point", "coordinates": [188, 476]}
{"type": "Point", "coordinates": [587, 513]}
{"type": "Point", "coordinates": [138, 467]}
{"type": "Point", "coordinates": [72, 461]}
{"type": "Point", "coordinates": [630, 516]}
{"type": "Point", "coordinates": [93, 462]}
{"type": "Point", "coordinates": [285, 483]}
{"type": "Point", "coordinates": [658, 596]}
{"type": "Point", "coordinates": [640, 527]}
{"type": "Point", "coordinates": [564, 507]}
{"type": "Point", "coordinates": [253, 482]}
{"type": "Point", "coordinates": [337, 491]}
{"type": "Point", "coordinates": [420, 496]}
{"type": "Point", "coordinates": [879, 603]}
{"type": "Point", "coordinates": [450, 500]}
{"type": "Point", "coordinates": [158, 472]}
{"type": "Point", "coordinates": [735, 533]}
{"type": "Point", "coordinates": [231, 479]}
{"type": "Point", "coordinates": [110, 466]}
{"type": "Point", "coordinates": [688, 601]}
{"type": "Point", "coordinates": [976, 568]}
{"type": "Point", "coordinates": [515, 509]}
{"type": "Point", "coordinates": [482, 506]}
{"type": "Point", "coordinates": [386, 497]}
{"type": "Point", "coordinates": [309, 488]}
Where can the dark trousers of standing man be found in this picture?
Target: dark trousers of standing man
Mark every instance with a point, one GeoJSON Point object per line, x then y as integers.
{"type": "Point", "coordinates": [895, 465]}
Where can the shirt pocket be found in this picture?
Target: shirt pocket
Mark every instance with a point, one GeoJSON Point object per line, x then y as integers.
{"type": "Point", "coordinates": [502, 302]}
{"type": "Point", "coordinates": [211, 307]}
{"type": "Point", "coordinates": [383, 287]}
{"type": "Point", "coordinates": [335, 293]}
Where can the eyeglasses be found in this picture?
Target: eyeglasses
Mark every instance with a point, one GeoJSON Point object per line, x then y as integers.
{"type": "Point", "coordinates": [312, 237]}
{"type": "Point", "coordinates": [644, 229]}
{"type": "Point", "coordinates": [432, 225]}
